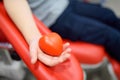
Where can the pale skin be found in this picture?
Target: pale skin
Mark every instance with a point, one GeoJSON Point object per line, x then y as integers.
{"type": "Point", "coordinates": [21, 14]}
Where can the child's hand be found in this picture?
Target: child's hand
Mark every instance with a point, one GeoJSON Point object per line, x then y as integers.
{"type": "Point", "coordinates": [37, 53]}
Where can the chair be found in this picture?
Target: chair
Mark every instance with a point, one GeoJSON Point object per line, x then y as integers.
{"type": "Point", "coordinates": [92, 57]}
{"type": "Point", "coordinates": [81, 50]}
{"type": "Point", "coordinates": [69, 70]}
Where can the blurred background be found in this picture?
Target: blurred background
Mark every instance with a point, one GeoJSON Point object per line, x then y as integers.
{"type": "Point", "coordinates": [112, 4]}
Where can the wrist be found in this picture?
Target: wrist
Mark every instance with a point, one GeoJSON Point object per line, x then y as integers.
{"type": "Point", "coordinates": [34, 38]}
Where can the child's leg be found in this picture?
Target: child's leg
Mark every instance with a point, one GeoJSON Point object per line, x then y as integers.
{"type": "Point", "coordinates": [75, 27]}
{"type": "Point", "coordinates": [97, 12]}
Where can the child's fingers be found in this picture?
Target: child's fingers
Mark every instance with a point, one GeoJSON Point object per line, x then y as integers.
{"type": "Point", "coordinates": [48, 60]}
{"type": "Point", "coordinates": [67, 50]}
{"type": "Point", "coordinates": [52, 61]}
{"type": "Point", "coordinates": [66, 45]}
{"type": "Point", "coordinates": [65, 55]}
{"type": "Point", "coordinates": [33, 52]}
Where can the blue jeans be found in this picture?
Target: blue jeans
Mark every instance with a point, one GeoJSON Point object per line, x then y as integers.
{"type": "Point", "coordinates": [73, 26]}
{"type": "Point", "coordinates": [97, 12]}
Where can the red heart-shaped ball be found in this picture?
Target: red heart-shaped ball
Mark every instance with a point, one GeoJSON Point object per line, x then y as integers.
{"type": "Point", "coordinates": [51, 44]}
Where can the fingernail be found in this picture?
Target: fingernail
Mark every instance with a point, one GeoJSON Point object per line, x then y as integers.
{"type": "Point", "coordinates": [67, 43]}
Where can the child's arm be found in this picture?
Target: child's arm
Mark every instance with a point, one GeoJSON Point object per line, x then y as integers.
{"type": "Point", "coordinates": [20, 13]}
